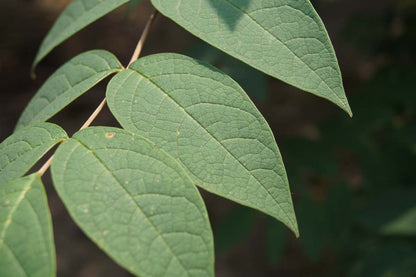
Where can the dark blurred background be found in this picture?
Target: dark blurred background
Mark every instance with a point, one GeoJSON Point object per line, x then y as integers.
{"type": "Point", "coordinates": [353, 180]}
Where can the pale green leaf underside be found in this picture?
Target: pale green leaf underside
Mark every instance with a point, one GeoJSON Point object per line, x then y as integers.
{"type": "Point", "coordinates": [206, 121]}
{"type": "Point", "coordinates": [26, 238]}
{"type": "Point", "coordinates": [78, 15]}
{"type": "Point", "coordinates": [69, 82]}
{"type": "Point", "coordinates": [135, 202]}
{"type": "Point", "coordinates": [20, 151]}
{"type": "Point", "coordinates": [404, 225]}
{"type": "Point", "coordinates": [283, 38]}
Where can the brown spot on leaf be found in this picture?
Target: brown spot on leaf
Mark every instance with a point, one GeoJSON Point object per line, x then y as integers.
{"type": "Point", "coordinates": [109, 135]}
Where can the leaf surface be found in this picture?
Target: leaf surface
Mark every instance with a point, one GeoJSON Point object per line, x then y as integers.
{"type": "Point", "coordinates": [285, 39]}
{"type": "Point", "coordinates": [203, 118]}
{"type": "Point", "coordinates": [20, 151]}
{"type": "Point", "coordinates": [78, 15]}
{"type": "Point", "coordinates": [404, 225]}
{"type": "Point", "coordinates": [26, 236]}
{"type": "Point", "coordinates": [135, 202]}
{"type": "Point", "coordinates": [69, 82]}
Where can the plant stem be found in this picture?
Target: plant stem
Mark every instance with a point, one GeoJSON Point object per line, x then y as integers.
{"type": "Point", "coordinates": [97, 111]}
{"type": "Point", "coordinates": [45, 167]}
{"type": "Point", "coordinates": [142, 39]}
{"type": "Point", "coordinates": [87, 123]}
{"type": "Point", "coordinates": [94, 114]}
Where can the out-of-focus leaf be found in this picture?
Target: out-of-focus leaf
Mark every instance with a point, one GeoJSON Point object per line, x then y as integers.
{"type": "Point", "coordinates": [404, 224]}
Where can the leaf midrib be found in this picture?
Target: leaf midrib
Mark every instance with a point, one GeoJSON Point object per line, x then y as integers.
{"type": "Point", "coordinates": [14, 208]}
{"type": "Point", "coordinates": [74, 20]}
{"type": "Point", "coordinates": [293, 225]}
{"type": "Point", "coordinates": [290, 50]}
{"type": "Point", "coordinates": [132, 199]}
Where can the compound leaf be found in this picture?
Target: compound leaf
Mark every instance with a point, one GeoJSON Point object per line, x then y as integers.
{"type": "Point", "coordinates": [78, 15]}
{"type": "Point", "coordinates": [285, 39]}
{"type": "Point", "coordinates": [26, 236]}
{"type": "Point", "coordinates": [203, 118]}
{"type": "Point", "coordinates": [69, 82]}
{"type": "Point", "coordinates": [20, 151]}
{"type": "Point", "coordinates": [135, 202]}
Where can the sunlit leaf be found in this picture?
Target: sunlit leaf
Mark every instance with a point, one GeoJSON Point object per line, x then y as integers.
{"type": "Point", "coordinates": [20, 151]}
{"type": "Point", "coordinates": [78, 15]}
{"type": "Point", "coordinates": [68, 83]}
{"type": "Point", "coordinates": [26, 239]}
{"type": "Point", "coordinates": [283, 38]}
{"type": "Point", "coordinates": [207, 122]}
{"type": "Point", "coordinates": [135, 202]}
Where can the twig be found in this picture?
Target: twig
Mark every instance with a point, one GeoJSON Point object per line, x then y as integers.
{"type": "Point", "coordinates": [143, 37]}
{"type": "Point", "coordinates": [45, 167]}
{"type": "Point", "coordinates": [94, 114]}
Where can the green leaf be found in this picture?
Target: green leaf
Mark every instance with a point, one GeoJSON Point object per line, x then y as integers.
{"type": "Point", "coordinates": [206, 121]}
{"type": "Point", "coordinates": [78, 15]}
{"type": "Point", "coordinates": [69, 82]}
{"type": "Point", "coordinates": [26, 236]}
{"type": "Point", "coordinates": [20, 151]}
{"type": "Point", "coordinates": [135, 202]}
{"type": "Point", "coordinates": [285, 39]}
{"type": "Point", "coordinates": [403, 225]}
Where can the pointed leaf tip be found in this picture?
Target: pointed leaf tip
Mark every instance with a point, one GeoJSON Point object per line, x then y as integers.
{"type": "Point", "coordinates": [285, 39]}
{"type": "Point", "coordinates": [70, 81]}
{"type": "Point", "coordinates": [78, 15]}
{"type": "Point", "coordinates": [207, 122]}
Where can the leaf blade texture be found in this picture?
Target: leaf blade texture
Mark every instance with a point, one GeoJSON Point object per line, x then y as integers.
{"type": "Point", "coordinates": [69, 82]}
{"type": "Point", "coordinates": [135, 202]}
{"type": "Point", "coordinates": [206, 121]}
{"type": "Point", "coordinates": [26, 236]}
{"type": "Point", "coordinates": [78, 15]}
{"type": "Point", "coordinates": [283, 38]}
{"type": "Point", "coordinates": [20, 151]}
